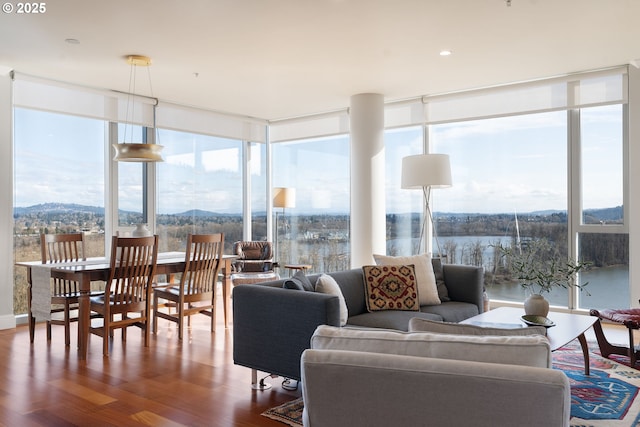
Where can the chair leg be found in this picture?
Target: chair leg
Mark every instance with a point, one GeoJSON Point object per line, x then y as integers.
{"type": "Point", "coordinates": [48, 330]}
{"type": "Point", "coordinates": [213, 312]}
{"type": "Point", "coordinates": [180, 320]}
{"type": "Point", "coordinates": [67, 324]}
{"type": "Point", "coordinates": [106, 335]}
{"type": "Point", "coordinates": [32, 320]}
{"type": "Point", "coordinates": [146, 329]}
{"type": "Point", "coordinates": [607, 349]}
{"type": "Point", "coordinates": [632, 348]}
{"type": "Point", "coordinates": [155, 310]}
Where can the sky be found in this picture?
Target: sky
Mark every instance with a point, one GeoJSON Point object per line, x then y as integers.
{"type": "Point", "coordinates": [498, 165]}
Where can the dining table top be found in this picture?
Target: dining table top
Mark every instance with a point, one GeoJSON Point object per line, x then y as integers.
{"type": "Point", "coordinates": [96, 263]}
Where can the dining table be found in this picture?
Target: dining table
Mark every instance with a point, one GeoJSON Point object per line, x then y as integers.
{"type": "Point", "coordinates": [97, 269]}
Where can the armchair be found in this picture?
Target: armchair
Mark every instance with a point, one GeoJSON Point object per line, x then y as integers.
{"type": "Point", "coordinates": [254, 263]}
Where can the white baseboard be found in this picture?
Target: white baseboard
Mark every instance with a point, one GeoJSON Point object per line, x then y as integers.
{"type": "Point", "coordinates": [8, 321]}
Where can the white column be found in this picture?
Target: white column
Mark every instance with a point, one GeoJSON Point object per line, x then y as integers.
{"type": "Point", "coordinates": [368, 224]}
{"type": "Point", "coordinates": [7, 318]}
{"type": "Point", "coordinates": [634, 179]}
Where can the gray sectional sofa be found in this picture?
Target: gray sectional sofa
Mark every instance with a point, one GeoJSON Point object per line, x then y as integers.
{"type": "Point", "coordinates": [272, 326]}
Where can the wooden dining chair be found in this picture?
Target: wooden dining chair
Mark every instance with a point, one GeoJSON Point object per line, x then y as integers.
{"type": "Point", "coordinates": [196, 291]}
{"type": "Point", "coordinates": [127, 296]}
{"type": "Point", "coordinates": [55, 249]}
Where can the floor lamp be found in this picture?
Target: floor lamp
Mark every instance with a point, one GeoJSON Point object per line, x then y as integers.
{"type": "Point", "coordinates": [426, 171]}
{"type": "Point", "coordinates": [283, 197]}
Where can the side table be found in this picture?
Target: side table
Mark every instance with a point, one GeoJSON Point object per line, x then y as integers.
{"type": "Point", "coordinates": [296, 267]}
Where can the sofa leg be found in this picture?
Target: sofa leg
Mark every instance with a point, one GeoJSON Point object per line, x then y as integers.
{"type": "Point", "coordinates": [259, 385]}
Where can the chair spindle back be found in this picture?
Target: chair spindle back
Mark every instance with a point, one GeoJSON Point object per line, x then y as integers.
{"type": "Point", "coordinates": [133, 264]}
{"type": "Point", "coordinates": [204, 252]}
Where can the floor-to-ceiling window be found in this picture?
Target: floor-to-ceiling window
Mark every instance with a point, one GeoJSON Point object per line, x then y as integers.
{"type": "Point", "coordinates": [316, 230]}
{"type": "Point", "coordinates": [602, 235]}
{"type": "Point", "coordinates": [511, 186]}
{"type": "Point", "coordinates": [257, 176]}
{"type": "Point", "coordinates": [509, 183]}
{"type": "Point", "coordinates": [404, 207]}
{"type": "Point", "coordinates": [199, 188]}
{"type": "Point", "coordinates": [131, 193]}
{"type": "Point", "coordinates": [58, 185]}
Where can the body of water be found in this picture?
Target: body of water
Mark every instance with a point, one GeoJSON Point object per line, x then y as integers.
{"type": "Point", "coordinates": [608, 287]}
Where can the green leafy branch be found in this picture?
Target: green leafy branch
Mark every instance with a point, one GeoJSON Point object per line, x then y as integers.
{"type": "Point", "coordinates": [539, 267]}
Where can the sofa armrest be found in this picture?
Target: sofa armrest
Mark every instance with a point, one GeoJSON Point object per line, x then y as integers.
{"type": "Point", "coordinates": [465, 283]}
{"type": "Point", "coordinates": [273, 326]}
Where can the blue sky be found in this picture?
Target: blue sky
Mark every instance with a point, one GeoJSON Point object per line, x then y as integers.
{"type": "Point", "coordinates": [498, 165]}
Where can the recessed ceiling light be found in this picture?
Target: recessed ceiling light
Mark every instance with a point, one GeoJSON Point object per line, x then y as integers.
{"type": "Point", "coordinates": [72, 41]}
{"type": "Point", "coordinates": [445, 52]}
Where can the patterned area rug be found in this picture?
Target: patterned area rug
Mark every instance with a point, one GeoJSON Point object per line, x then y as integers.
{"type": "Point", "coordinates": [289, 413]}
{"type": "Point", "coordinates": [609, 397]}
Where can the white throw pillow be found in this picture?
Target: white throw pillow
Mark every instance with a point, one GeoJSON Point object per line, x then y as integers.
{"type": "Point", "coordinates": [427, 288]}
{"type": "Point", "coordinates": [328, 285]}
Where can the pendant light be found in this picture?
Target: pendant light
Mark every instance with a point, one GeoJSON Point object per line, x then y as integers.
{"type": "Point", "coordinates": [136, 152]}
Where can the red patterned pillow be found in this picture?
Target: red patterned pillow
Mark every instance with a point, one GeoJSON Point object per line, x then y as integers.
{"type": "Point", "coordinates": [391, 287]}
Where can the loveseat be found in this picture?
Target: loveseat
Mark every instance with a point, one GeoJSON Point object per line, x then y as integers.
{"type": "Point", "coordinates": [381, 378]}
{"type": "Point", "coordinates": [272, 325]}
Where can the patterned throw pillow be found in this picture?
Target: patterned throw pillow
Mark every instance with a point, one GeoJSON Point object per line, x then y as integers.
{"type": "Point", "coordinates": [425, 278]}
{"type": "Point", "coordinates": [391, 287]}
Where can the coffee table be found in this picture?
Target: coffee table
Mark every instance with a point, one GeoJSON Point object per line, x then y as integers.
{"type": "Point", "coordinates": [567, 326]}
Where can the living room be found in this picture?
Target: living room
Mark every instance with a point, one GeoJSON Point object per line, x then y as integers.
{"type": "Point", "coordinates": [310, 60]}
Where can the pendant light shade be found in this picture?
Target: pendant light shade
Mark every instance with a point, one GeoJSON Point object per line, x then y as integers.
{"type": "Point", "coordinates": [130, 151]}
{"type": "Point", "coordinates": [138, 152]}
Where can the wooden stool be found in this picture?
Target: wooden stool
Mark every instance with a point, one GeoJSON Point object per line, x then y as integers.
{"type": "Point", "coordinates": [630, 318]}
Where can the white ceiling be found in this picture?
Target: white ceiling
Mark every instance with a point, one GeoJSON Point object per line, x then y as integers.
{"type": "Point", "coordinates": [276, 59]}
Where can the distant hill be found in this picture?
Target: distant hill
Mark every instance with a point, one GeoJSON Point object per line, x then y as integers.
{"type": "Point", "coordinates": [199, 213]}
{"type": "Point", "coordinates": [592, 215]}
{"type": "Point", "coordinates": [58, 208]}
{"type": "Point", "coordinates": [73, 208]}
{"type": "Point", "coordinates": [605, 214]}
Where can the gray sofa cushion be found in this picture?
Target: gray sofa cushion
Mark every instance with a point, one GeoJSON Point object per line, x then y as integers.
{"type": "Point", "coordinates": [531, 350]}
{"type": "Point", "coordinates": [351, 283]}
{"type": "Point", "coordinates": [452, 311]}
{"type": "Point", "coordinates": [443, 292]}
{"type": "Point", "coordinates": [299, 282]}
{"type": "Point", "coordinates": [389, 319]}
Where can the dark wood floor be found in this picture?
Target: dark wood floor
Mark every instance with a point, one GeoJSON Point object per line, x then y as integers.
{"type": "Point", "coordinates": [193, 383]}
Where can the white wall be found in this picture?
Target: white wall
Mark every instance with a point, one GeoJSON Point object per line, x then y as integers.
{"type": "Point", "coordinates": [7, 318]}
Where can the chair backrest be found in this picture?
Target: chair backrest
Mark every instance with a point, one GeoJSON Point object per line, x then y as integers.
{"type": "Point", "coordinates": [253, 256]}
{"type": "Point", "coordinates": [55, 248]}
{"type": "Point", "coordinates": [203, 256]}
{"type": "Point", "coordinates": [133, 265]}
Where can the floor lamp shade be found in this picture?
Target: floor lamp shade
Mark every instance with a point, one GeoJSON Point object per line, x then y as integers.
{"type": "Point", "coordinates": [426, 170]}
{"type": "Point", "coordinates": [284, 197]}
